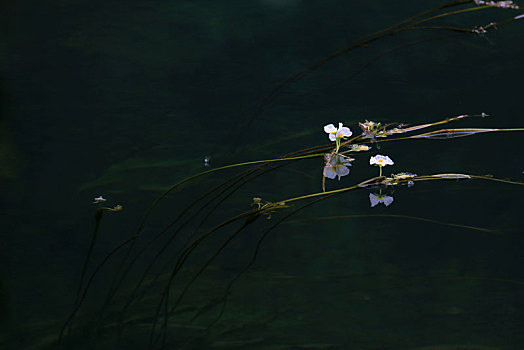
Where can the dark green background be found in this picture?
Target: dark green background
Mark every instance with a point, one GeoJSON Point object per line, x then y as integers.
{"type": "Point", "coordinates": [124, 98]}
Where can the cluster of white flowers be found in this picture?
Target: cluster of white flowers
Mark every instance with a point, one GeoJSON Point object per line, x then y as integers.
{"type": "Point", "coordinates": [337, 165]}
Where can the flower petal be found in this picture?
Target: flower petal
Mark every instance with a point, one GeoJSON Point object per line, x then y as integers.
{"type": "Point", "coordinates": [373, 199]}
{"type": "Point", "coordinates": [345, 131]}
{"type": "Point", "coordinates": [330, 128]}
{"type": "Point", "coordinates": [388, 161]}
{"type": "Point", "coordinates": [329, 172]}
{"type": "Point", "coordinates": [387, 200]}
{"type": "Point", "coordinates": [342, 171]}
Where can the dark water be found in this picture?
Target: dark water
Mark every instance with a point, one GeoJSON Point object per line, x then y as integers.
{"type": "Point", "coordinates": [124, 99]}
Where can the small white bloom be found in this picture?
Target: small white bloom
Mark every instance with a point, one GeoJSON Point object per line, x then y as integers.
{"type": "Point", "coordinates": [335, 133]}
{"type": "Point", "coordinates": [337, 166]}
{"type": "Point", "coordinates": [359, 148]}
{"type": "Point", "coordinates": [380, 160]}
{"type": "Point", "coordinates": [207, 160]}
{"type": "Point", "coordinates": [380, 198]}
{"type": "Point", "coordinates": [99, 199]}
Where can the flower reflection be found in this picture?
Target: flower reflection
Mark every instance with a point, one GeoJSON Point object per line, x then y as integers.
{"type": "Point", "coordinates": [380, 198]}
{"type": "Point", "coordinates": [337, 165]}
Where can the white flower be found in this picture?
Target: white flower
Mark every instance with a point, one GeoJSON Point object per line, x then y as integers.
{"type": "Point", "coordinates": [380, 160]}
{"type": "Point", "coordinates": [337, 166]}
{"type": "Point", "coordinates": [335, 133]}
{"type": "Point", "coordinates": [380, 198]}
{"type": "Point", "coordinates": [99, 199]}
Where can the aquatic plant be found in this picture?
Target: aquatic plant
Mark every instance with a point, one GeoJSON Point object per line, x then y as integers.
{"type": "Point", "coordinates": [149, 293]}
{"type": "Point", "coordinates": [171, 295]}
